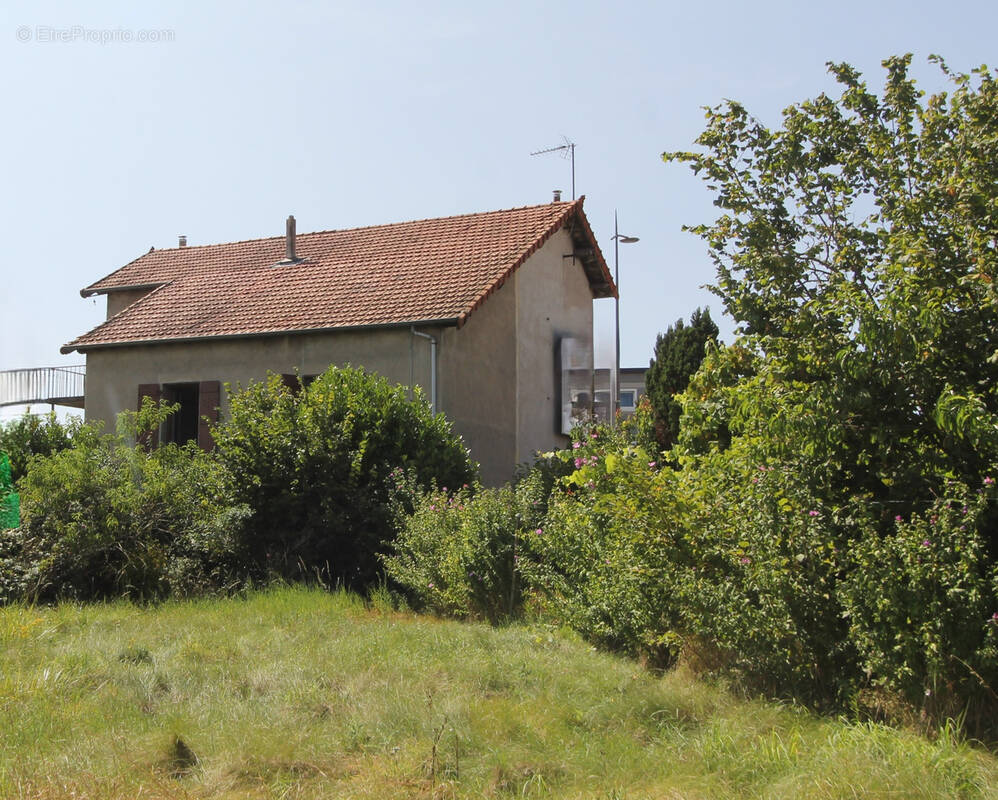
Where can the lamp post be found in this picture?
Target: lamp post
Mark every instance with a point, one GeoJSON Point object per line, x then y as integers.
{"type": "Point", "coordinates": [615, 376]}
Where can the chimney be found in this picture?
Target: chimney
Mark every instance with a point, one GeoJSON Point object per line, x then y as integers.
{"type": "Point", "coordinates": [557, 196]}
{"type": "Point", "coordinates": [183, 241]}
{"type": "Point", "coordinates": [290, 245]}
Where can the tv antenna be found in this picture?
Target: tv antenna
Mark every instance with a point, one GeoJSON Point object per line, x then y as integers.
{"type": "Point", "coordinates": [567, 151]}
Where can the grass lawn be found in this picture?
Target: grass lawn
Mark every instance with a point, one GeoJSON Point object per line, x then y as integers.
{"type": "Point", "coordinates": [296, 693]}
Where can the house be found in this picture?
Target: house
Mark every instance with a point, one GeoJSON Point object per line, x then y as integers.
{"type": "Point", "coordinates": [632, 389]}
{"type": "Point", "coordinates": [490, 313]}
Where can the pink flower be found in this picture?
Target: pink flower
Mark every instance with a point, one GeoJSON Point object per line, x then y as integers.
{"type": "Point", "coordinates": [652, 464]}
{"type": "Point", "coordinates": [989, 481]}
{"type": "Point", "coordinates": [578, 463]}
{"type": "Point", "coordinates": [539, 531]}
{"type": "Point", "coordinates": [812, 513]}
{"type": "Point", "coordinates": [744, 560]}
{"type": "Point", "coordinates": [899, 518]}
{"type": "Point", "coordinates": [576, 445]}
{"type": "Point", "coordinates": [926, 543]}
{"type": "Point", "coordinates": [430, 584]}
{"type": "Point", "coordinates": [433, 508]}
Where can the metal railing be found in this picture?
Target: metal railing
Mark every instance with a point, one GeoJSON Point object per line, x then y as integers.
{"type": "Point", "coordinates": [54, 385]}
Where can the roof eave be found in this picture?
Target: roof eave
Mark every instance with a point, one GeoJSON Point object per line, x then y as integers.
{"type": "Point", "coordinates": [89, 291]}
{"type": "Point", "coordinates": [446, 322]}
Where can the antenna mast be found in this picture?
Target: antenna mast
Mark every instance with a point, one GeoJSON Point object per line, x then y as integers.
{"type": "Point", "coordinates": [568, 151]}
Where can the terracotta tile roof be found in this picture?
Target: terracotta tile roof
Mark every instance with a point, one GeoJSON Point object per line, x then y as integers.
{"type": "Point", "coordinates": [435, 270]}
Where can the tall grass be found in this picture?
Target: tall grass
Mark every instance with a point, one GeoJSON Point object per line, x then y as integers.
{"type": "Point", "coordinates": [296, 693]}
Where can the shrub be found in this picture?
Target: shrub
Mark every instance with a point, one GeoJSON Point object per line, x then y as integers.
{"type": "Point", "coordinates": [315, 467]}
{"type": "Point", "coordinates": [103, 518]}
{"type": "Point", "coordinates": [589, 560]}
{"type": "Point", "coordinates": [724, 556]}
{"type": "Point", "coordinates": [922, 607]}
{"type": "Point", "coordinates": [457, 554]}
{"type": "Point", "coordinates": [34, 435]}
{"type": "Point", "coordinates": [760, 586]}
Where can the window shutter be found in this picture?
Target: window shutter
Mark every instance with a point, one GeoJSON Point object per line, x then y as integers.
{"type": "Point", "coordinates": [209, 398]}
{"type": "Point", "coordinates": [153, 391]}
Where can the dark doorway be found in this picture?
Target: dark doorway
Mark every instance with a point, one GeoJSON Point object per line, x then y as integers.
{"type": "Point", "coordinates": [182, 426]}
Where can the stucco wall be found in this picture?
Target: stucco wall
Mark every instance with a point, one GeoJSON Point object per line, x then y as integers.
{"type": "Point", "coordinates": [499, 372]}
{"type": "Point", "coordinates": [478, 384]}
{"type": "Point", "coordinates": [116, 301]}
{"type": "Point", "coordinates": [114, 374]}
{"type": "Point", "coordinates": [553, 301]}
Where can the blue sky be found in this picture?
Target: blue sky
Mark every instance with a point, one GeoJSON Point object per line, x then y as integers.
{"type": "Point", "coordinates": [360, 114]}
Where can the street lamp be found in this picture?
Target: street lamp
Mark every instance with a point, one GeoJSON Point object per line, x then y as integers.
{"type": "Point", "coordinates": [615, 382]}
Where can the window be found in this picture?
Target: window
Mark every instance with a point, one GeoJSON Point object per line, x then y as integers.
{"type": "Point", "coordinates": [575, 363]}
{"type": "Point", "coordinates": [627, 398]}
{"type": "Point", "coordinates": [198, 411]}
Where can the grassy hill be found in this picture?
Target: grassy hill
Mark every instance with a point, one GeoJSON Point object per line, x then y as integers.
{"type": "Point", "coordinates": [296, 693]}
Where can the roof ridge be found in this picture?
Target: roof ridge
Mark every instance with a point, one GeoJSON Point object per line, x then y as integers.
{"type": "Point", "coordinates": [563, 203]}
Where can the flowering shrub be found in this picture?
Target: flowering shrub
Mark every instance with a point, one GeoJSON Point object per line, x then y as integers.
{"type": "Point", "coordinates": [593, 560]}
{"type": "Point", "coordinates": [760, 587]}
{"type": "Point", "coordinates": [733, 559]}
{"type": "Point", "coordinates": [922, 605]}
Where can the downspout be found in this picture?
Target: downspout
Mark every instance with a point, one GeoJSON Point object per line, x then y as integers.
{"type": "Point", "coordinates": [433, 366]}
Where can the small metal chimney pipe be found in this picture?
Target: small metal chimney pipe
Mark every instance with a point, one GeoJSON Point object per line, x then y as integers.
{"type": "Point", "coordinates": [290, 244]}
{"type": "Point", "coordinates": [183, 241]}
{"type": "Point", "coordinates": [557, 196]}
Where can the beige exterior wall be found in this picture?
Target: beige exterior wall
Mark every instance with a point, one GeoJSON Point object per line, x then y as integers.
{"type": "Point", "coordinates": [478, 384]}
{"type": "Point", "coordinates": [554, 301]}
{"type": "Point", "coordinates": [497, 378]}
{"type": "Point", "coordinates": [114, 374]}
{"type": "Point", "coordinates": [116, 301]}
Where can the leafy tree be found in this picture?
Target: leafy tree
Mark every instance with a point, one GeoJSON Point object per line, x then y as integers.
{"type": "Point", "coordinates": [678, 353]}
{"type": "Point", "coordinates": [318, 468]}
{"type": "Point", "coordinates": [858, 249]}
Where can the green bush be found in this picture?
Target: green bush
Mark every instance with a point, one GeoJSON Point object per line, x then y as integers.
{"type": "Point", "coordinates": [315, 467]}
{"type": "Point", "coordinates": [34, 435]}
{"type": "Point", "coordinates": [922, 607]}
{"type": "Point", "coordinates": [457, 554]}
{"type": "Point", "coordinates": [760, 587]}
{"type": "Point", "coordinates": [726, 558]}
{"type": "Point", "coordinates": [103, 519]}
{"type": "Point", "coordinates": [590, 558]}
